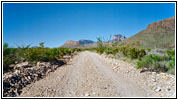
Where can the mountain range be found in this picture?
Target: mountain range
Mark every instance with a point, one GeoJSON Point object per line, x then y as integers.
{"type": "Point", "coordinates": [89, 43]}
{"type": "Point", "coordinates": [160, 34]}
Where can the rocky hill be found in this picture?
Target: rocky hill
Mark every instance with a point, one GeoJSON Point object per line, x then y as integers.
{"type": "Point", "coordinates": [90, 43]}
{"type": "Point", "coordinates": [118, 38]}
{"type": "Point", "coordinates": [159, 34]}
{"type": "Point", "coordinates": [72, 42]}
{"type": "Point", "coordinates": [76, 44]}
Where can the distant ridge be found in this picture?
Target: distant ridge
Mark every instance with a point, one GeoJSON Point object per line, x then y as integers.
{"type": "Point", "coordinates": [76, 44]}
{"type": "Point", "coordinates": [90, 43]}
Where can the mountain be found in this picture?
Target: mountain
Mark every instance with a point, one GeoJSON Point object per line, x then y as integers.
{"type": "Point", "coordinates": [118, 38]}
{"type": "Point", "coordinates": [72, 42]}
{"type": "Point", "coordinates": [159, 34]}
{"type": "Point", "coordinates": [90, 43]}
{"type": "Point", "coordinates": [86, 41]}
{"type": "Point", "coordinates": [77, 44]}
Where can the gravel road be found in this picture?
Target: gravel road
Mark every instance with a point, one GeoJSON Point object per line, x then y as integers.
{"type": "Point", "coordinates": [88, 75]}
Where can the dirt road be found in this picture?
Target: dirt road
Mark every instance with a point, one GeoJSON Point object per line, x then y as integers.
{"type": "Point", "coordinates": [87, 74]}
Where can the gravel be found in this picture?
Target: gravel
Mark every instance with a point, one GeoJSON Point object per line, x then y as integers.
{"type": "Point", "coordinates": [25, 74]}
{"type": "Point", "coordinates": [87, 75]}
{"type": "Point", "coordinates": [162, 83]}
{"type": "Point", "coordinates": [90, 75]}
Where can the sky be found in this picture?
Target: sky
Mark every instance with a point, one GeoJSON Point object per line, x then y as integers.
{"type": "Point", "coordinates": [55, 23]}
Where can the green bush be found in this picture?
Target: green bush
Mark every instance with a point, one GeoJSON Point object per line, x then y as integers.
{"type": "Point", "coordinates": [145, 62]}
{"type": "Point", "coordinates": [142, 53]}
{"type": "Point", "coordinates": [124, 50]}
{"type": "Point", "coordinates": [9, 57]}
{"type": "Point", "coordinates": [6, 62]}
{"type": "Point", "coordinates": [153, 62]}
{"type": "Point", "coordinates": [46, 54]}
{"type": "Point", "coordinates": [170, 52]}
{"type": "Point", "coordinates": [108, 51]}
{"type": "Point", "coordinates": [157, 63]}
{"type": "Point", "coordinates": [133, 53]}
{"type": "Point", "coordinates": [150, 62]}
{"type": "Point", "coordinates": [101, 46]}
{"type": "Point", "coordinates": [148, 49]}
{"type": "Point", "coordinates": [24, 53]}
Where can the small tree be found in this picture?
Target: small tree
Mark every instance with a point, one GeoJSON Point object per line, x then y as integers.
{"type": "Point", "coordinates": [42, 44]}
{"type": "Point", "coordinates": [5, 45]}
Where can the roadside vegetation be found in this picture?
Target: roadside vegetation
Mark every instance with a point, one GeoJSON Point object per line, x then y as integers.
{"type": "Point", "coordinates": [33, 55]}
{"type": "Point", "coordinates": [158, 60]}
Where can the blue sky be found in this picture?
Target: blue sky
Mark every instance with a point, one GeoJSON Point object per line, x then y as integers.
{"type": "Point", "coordinates": [54, 23]}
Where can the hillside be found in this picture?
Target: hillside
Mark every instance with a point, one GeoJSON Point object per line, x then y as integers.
{"type": "Point", "coordinates": [159, 34]}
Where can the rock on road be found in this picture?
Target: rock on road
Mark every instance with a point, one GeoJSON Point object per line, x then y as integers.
{"type": "Point", "coordinates": [87, 75]}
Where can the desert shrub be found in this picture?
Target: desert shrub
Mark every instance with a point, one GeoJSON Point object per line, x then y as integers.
{"type": "Point", "coordinates": [65, 51]}
{"type": "Point", "coordinates": [8, 57]}
{"type": "Point", "coordinates": [170, 52]}
{"type": "Point", "coordinates": [33, 55]}
{"type": "Point", "coordinates": [44, 54]}
{"type": "Point", "coordinates": [8, 60]}
{"type": "Point", "coordinates": [123, 50]}
{"type": "Point", "coordinates": [157, 63]}
{"type": "Point", "coordinates": [9, 51]}
{"type": "Point", "coordinates": [133, 53]}
{"type": "Point", "coordinates": [148, 49]}
{"type": "Point", "coordinates": [115, 44]}
{"type": "Point", "coordinates": [150, 62]}
{"type": "Point", "coordinates": [111, 50]}
{"type": "Point", "coordinates": [36, 54]}
{"type": "Point", "coordinates": [93, 49]}
{"type": "Point", "coordinates": [108, 51]}
{"type": "Point", "coordinates": [144, 62]}
{"type": "Point", "coordinates": [142, 53]}
{"type": "Point", "coordinates": [171, 65]}
{"type": "Point", "coordinates": [75, 50]}
{"type": "Point", "coordinates": [5, 45]}
{"type": "Point", "coordinates": [100, 46]}
{"type": "Point", "coordinates": [171, 70]}
{"type": "Point", "coordinates": [171, 61]}
{"type": "Point", "coordinates": [41, 44]}
{"type": "Point", "coordinates": [115, 50]}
